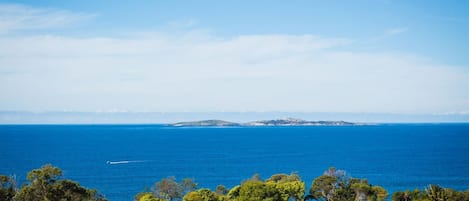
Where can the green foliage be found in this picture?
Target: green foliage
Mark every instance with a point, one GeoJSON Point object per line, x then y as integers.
{"type": "Point", "coordinates": [415, 195]}
{"type": "Point", "coordinates": [257, 191]}
{"type": "Point", "coordinates": [362, 190]}
{"type": "Point", "coordinates": [7, 188]}
{"type": "Point", "coordinates": [169, 189]}
{"type": "Point", "coordinates": [401, 196]}
{"type": "Point", "coordinates": [431, 193]}
{"type": "Point", "coordinates": [45, 184]}
{"type": "Point", "coordinates": [380, 193]}
{"type": "Point", "coordinates": [221, 190]}
{"type": "Point", "coordinates": [291, 190]}
{"type": "Point", "coordinates": [334, 186]}
{"type": "Point", "coordinates": [201, 195]}
{"type": "Point", "coordinates": [147, 197]}
{"type": "Point", "coordinates": [277, 178]}
{"type": "Point", "coordinates": [234, 192]}
{"type": "Point", "coordinates": [457, 195]}
{"type": "Point", "coordinates": [72, 191]}
{"type": "Point", "coordinates": [290, 186]}
{"type": "Point", "coordinates": [193, 196]}
{"type": "Point", "coordinates": [323, 187]}
{"type": "Point", "coordinates": [284, 178]}
{"type": "Point", "coordinates": [279, 187]}
{"type": "Point", "coordinates": [436, 193]}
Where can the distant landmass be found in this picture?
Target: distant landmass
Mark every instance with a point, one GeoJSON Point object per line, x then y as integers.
{"type": "Point", "coordinates": [213, 122]}
{"type": "Point", "coordinates": [298, 122]}
{"type": "Point", "coordinates": [275, 122]}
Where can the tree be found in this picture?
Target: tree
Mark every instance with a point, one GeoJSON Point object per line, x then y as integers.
{"type": "Point", "coordinates": [289, 186]}
{"type": "Point", "coordinates": [258, 191]}
{"type": "Point", "coordinates": [41, 181]}
{"type": "Point", "coordinates": [291, 190]}
{"type": "Point", "coordinates": [344, 190]}
{"type": "Point", "coordinates": [193, 196]}
{"type": "Point", "coordinates": [277, 178]}
{"type": "Point", "coordinates": [362, 190]}
{"type": "Point", "coordinates": [169, 189]}
{"type": "Point", "coordinates": [323, 187]}
{"type": "Point", "coordinates": [457, 195]}
{"type": "Point", "coordinates": [7, 188]}
{"type": "Point", "coordinates": [188, 185]}
{"type": "Point", "coordinates": [234, 192]}
{"type": "Point", "coordinates": [380, 193]}
{"type": "Point", "coordinates": [147, 197]}
{"type": "Point", "coordinates": [45, 184]}
{"type": "Point", "coordinates": [201, 195]}
{"type": "Point", "coordinates": [401, 196]}
{"type": "Point", "coordinates": [284, 178]}
{"type": "Point", "coordinates": [436, 193]}
{"type": "Point", "coordinates": [221, 190]}
{"type": "Point", "coordinates": [279, 187]}
{"type": "Point", "coordinates": [333, 185]}
{"type": "Point", "coordinates": [72, 191]}
{"type": "Point", "coordinates": [415, 195]}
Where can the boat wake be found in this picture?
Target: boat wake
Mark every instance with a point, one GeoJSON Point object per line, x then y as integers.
{"type": "Point", "coordinates": [122, 162]}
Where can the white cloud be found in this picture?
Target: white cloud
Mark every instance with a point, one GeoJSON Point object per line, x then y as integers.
{"type": "Point", "coordinates": [198, 71]}
{"type": "Point", "coordinates": [15, 17]}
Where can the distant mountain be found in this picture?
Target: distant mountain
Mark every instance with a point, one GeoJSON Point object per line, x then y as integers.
{"type": "Point", "coordinates": [276, 122]}
{"type": "Point", "coordinates": [206, 123]}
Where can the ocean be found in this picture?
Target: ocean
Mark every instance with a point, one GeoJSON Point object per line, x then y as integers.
{"type": "Point", "coordinates": [122, 160]}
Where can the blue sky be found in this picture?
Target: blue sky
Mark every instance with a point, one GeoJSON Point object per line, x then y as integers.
{"type": "Point", "coordinates": [377, 56]}
{"type": "Point", "coordinates": [434, 28]}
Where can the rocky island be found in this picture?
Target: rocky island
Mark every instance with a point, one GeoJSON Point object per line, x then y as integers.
{"type": "Point", "coordinates": [275, 122]}
{"type": "Point", "coordinates": [298, 122]}
{"type": "Point", "coordinates": [212, 122]}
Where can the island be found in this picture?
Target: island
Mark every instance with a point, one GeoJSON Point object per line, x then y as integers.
{"type": "Point", "coordinates": [275, 122]}
{"type": "Point", "coordinates": [298, 122]}
{"type": "Point", "coordinates": [212, 122]}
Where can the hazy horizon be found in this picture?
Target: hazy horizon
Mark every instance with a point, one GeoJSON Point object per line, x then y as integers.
{"type": "Point", "coordinates": [61, 117]}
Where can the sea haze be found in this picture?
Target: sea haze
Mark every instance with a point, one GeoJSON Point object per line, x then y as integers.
{"type": "Point", "coordinates": [121, 160]}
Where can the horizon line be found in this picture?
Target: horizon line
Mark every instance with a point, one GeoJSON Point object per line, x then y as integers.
{"type": "Point", "coordinates": [221, 112]}
{"type": "Point", "coordinates": [127, 117]}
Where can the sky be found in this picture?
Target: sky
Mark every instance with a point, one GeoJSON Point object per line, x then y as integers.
{"type": "Point", "coordinates": [365, 56]}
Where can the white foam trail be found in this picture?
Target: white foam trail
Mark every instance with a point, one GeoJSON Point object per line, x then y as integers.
{"type": "Point", "coordinates": [122, 162]}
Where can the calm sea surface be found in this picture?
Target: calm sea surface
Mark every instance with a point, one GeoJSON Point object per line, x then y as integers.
{"type": "Point", "coordinates": [398, 156]}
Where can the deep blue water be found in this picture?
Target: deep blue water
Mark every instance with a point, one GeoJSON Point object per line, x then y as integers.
{"type": "Point", "coordinates": [397, 157]}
